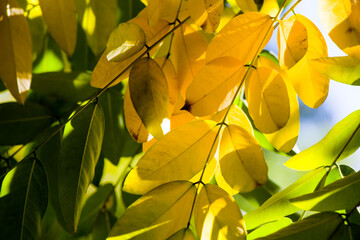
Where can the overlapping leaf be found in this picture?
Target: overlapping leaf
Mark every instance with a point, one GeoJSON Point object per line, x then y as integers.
{"type": "Point", "coordinates": [183, 234]}
{"type": "Point", "coordinates": [269, 228]}
{"type": "Point", "coordinates": [206, 13]}
{"type": "Point", "coordinates": [166, 10]}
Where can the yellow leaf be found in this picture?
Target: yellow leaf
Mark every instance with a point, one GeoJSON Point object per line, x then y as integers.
{"type": "Point", "coordinates": [341, 20]}
{"type": "Point", "coordinates": [300, 41]}
{"type": "Point", "coordinates": [214, 86]}
{"type": "Point", "coordinates": [160, 9]}
{"type": "Point", "coordinates": [106, 71]}
{"type": "Point", "coordinates": [15, 50]}
{"type": "Point", "coordinates": [268, 100]}
{"type": "Point", "coordinates": [217, 216]}
{"type": "Point", "coordinates": [126, 40]}
{"type": "Point", "coordinates": [158, 214]}
{"type": "Point", "coordinates": [98, 18]}
{"type": "Point", "coordinates": [183, 234]}
{"type": "Point", "coordinates": [242, 166]}
{"type": "Point", "coordinates": [241, 37]}
{"type": "Point", "coordinates": [188, 54]}
{"type": "Point", "coordinates": [247, 5]}
{"type": "Point", "coordinates": [133, 122]}
{"type": "Point", "coordinates": [270, 7]}
{"type": "Point", "coordinates": [206, 13]}
{"type": "Point", "coordinates": [176, 156]}
{"type": "Point", "coordinates": [149, 94]}
{"type": "Point", "coordinates": [60, 18]}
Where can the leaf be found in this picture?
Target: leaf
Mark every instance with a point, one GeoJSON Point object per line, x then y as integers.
{"type": "Point", "coordinates": [279, 205]}
{"type": "Point", "coordinates": [176, 156]}
{"type": "Point", "coordinates": [166, 10]}
{"type": "Point", "coordinates": [125, 41]}
{"type": "Point", "coordinates": [269, 228]}
{"type": "Point", "coordinates": [149, 94]}
{"type": "Point", "coordinates": [23, 201]}
{"type": "Point", "coordinates": [71, 87]}
{"type": "Point", "coordinates": [206, 13]}
{"type": "Point", "coordinates": [242, 166]}
{"type": "Point", "coordinates": [60, 18]}
{"type": "Point", "coordinates": [158, 214]}
{"type": "Point", "coordinates": [247, 5]}
{"type": "Point", "coordinates": [241, 37]}
{"type": "Point", "coordinates": [214, 86]}
{"type": "Point", "coordinates": [341, 69]}
{"type": "Point", "coordinates": [318, 226]}
{"type": "Point", "coordinates": [217, 216]}
{"type": "Point", "coordinates": [340, 20]}
{"type": "Point", "coordinates": [183, 234]}
{"type": "Point", "coordinates": [340, 142]}
{"type": "Point", "coordinates": [270, 7]}
{"type": "Point", "coordinates": [80, 151]}
{"type": "Point", "coordinates": [300, 41]}
{"type": "Point", "coordinates": [268, 99]}
{"type": "Point", "coordinates": [19, 124]}
{"type": "Point", "coordinates": [341, 194]}
{"type": "Point", "coordinates": [15, 50]}
{"type": "Point", "coordinates": [98, 18]}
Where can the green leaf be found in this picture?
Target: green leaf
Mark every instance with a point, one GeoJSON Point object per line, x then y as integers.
{"type": "Point", "coordinates": [158, 214]}
{"type": "Point", "coordinates": [341, 194]}
{"type": "Point", "coordinates": [23, 201]}
{"type": "Point", "coordinates": [149, 94]}
{"type": "Point", "coordinates": [341, 69]}
{"type": "Point", "coordinates": [318, 226]}
{"type": "Point", "coordinates": [71, 87]}
{"type": "Point", "coordinates": [279, 205]}
{"type": "Point", "coordinates": [183, 234]}
{"type": "Point", "coordinates": [341, 141]}
{"type": "Point", "coordinates": [269, 228]}
{"type": "Point", "coordinates": [19, 124]}
{"type": "Point", "coordinates": [80, 151]}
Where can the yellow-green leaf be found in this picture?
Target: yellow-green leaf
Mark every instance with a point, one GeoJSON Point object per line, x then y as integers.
{"type": "Point", "coordinates": [268, 99]}
{"type": "Point", "coordinates": [149, 94]}
{"type": "Point", "coordinates": [217, 215]}
{"type": "Point", "coordinates": [166, 10]}
{"type": "Point", "coordinates": [60, 18]}
{"type": "Point", "coordinates": [241, 37]}
{"type": "Point", "coordinates": [269, 228]}
{"type": "Point", "coordinates": [178, 155]}
{"type": "Point", "coordinates": [15, 50]}
{"type": "Point", "coordinates": [158, 214]}
{"type": "Point", "coordinates": [242, 166]}
{"type": "Point", "coordinates": [300, 41]}
{"type": "Point", "coordinates": [183, 234]}
{"type": "Point", "coordinates": [270, 7]}
{"type": "Point", "coordinates": [341, 141]}
{"type": "Point", "coordinates": [341, 69]}
{"type": "Point", "coordinates": [214, 86]}
{"type": "Point", "coordinates": [206, 13]}
{"type": "Point", "coordinates": [125, 41]}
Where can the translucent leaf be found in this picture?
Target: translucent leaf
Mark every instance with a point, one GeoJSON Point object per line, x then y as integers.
{"type": "Point", "coordinates": [341, 20]}
{"type": "Point", "coordinates": [267, 96]}
{"type": "Point", "coordinates": [183, 234]}
{"type": "Point", "coordinates": [149, 94]}
{"type": "Point", "coordinates": [279, 205]}
{"type": "Point", "coordinates": [341, 69]}
{"type": "Point", "coordinates": [214, 86]}
{"type": "Point", "coordinates": [124, 41]}
{"type": "Point", "coordinates": [241, 37]}
{"type": "Point", "coordinates": [318, 226]}
{"type": "Point", "coordinates": [15, 50]}
{"type": "Point", "coordinates": [341, 194]}
{"type": "Point", "coordinates": [217, 216]}
{"type": "Point", "coordinates": [247, 5]}
{"type": "Point", "coordinates": [269, 228]}
{"type": "Point", "coordinates": [340, 142]}
{"type": "Point", "coordinates": [300, 41]}
{"type": "Point", "coordinates": [60, 18]}
{"type": "Point", "coordinates": [176, 156]}
{"type": "Point", "coordinates": [23, 201]}
{"type": "Point", "coordinates": [80, 151]}
{"type": "Point", "coordinates": [242, 166]}
{"type": "Point", "coordinates": [166, 10]}
{"type": "Point", "coordinates": [206, 13]}
{"type": "Point", "coordinates": [158, 214]}
{"type": "Point", "coordinates": [270, 7]}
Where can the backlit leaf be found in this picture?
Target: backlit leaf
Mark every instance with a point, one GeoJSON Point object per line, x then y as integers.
{"type": "Point", "coordinates": [166, 10]}
{"type": "Point", "coordinates": [241, 37]}
{"type": "Point", "coordinates": [247, 5]}
{"type": "Point", "coordinates": [269, 228]}
{"type": "Point", "coordinates": [158, 214]}
{"type": "Point", "coordinates": [60, 18]}
{"type": "Point", "coordinates": [183, 234]}
{"type": "Point", "coordinates": [206, 13]}
{"type": "Point", "coordinates": [242, 166]}
{"type": "Point", "coordinates": [217, 216]}
{"type": "Point", "coordinates": [80, 151]}
{"type": "Point", "coordinates": [176, 156]}
{"type": "Point", "coordinates": [340, 142]}
{"type": "Point", "coordinates": [270, 7]}
{"type": "Point", "coordinates": [149, 94]}
{"type": "Point", "coordinates": [279, 205]}
{"type": "Point", "coordinates": [15, 50]}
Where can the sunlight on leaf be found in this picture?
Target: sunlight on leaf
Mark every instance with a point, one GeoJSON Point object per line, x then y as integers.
{"type": "Point", "coordinates": [269, 228]}
{"type": "Point", "coordinates": [206, 13]}
{"type": "Point", "coordinates": [159, 9]}
{"type": "Point", "coordinates": [183, 234]}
